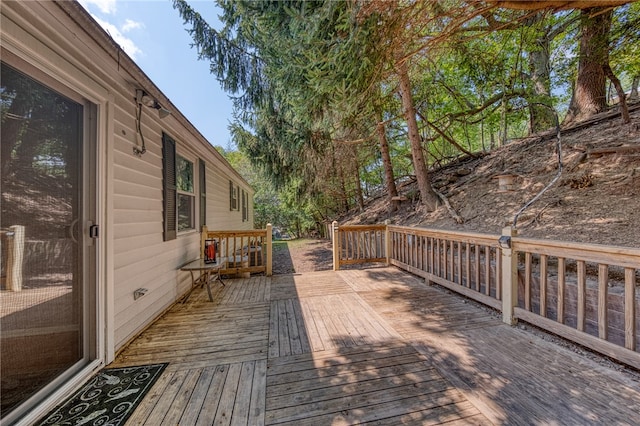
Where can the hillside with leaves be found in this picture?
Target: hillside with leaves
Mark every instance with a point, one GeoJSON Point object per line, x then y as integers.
{"type": "Point", "coordinates": [596, 198]}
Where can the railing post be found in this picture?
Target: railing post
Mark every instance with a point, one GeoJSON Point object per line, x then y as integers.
{"type": "Point", "coordinates": [269, 250]}
{"type": "Point", "coordinates": [387, 241]}
{"type": "Point", "coordinates": [336, 246]}
{"type": "Point", "coordinates": [203, 236]}
{"type": "Point", "coordinates": [15, 248]}
{"type": "Point", "coordinates": [509, 275]}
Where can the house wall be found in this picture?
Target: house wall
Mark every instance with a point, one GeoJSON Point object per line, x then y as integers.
{"type": "Point", "coordinates": [62, 41]}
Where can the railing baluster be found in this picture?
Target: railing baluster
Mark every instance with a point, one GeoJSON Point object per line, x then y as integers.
{"type": "Point", "coordinates": [477, 266]}
{"type": "Point", "coordinates": [459, 263]}
{"type": "Point", "coordinates": [437, 257]}
{"type": "Point", "coordinates": [603, 293]}
{"type": "Point", "coordinates": [630, 308]}
{"type": "Point", "coordinates": [487, 270]}
{"type": "Point", "coordinates": [543, 285]}
{"type": "Point", "coordinates": [412, 248]}
{"type": "Point", "coordinates": [527, 281]}
{"type": "Point", "coordinates": [451, 262]}
{"type": "Point", "coordinates": [498, 273]}
{"type": "Point", "coordinates": [439, 243]}
{"type": "Point", "coordinates": [582, 294]}
{"type": "Point", "coordinates": [432, 255]}
{"type": "Point", "coordinates": [562, 270]}
{"type": "Point", "coordinates": [467, 262]}
{"type": "Point", "coordinates": [367, 245]}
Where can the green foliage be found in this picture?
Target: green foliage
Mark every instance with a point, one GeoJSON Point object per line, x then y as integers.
{"type": "Point", "coordinates": [276, 206]}
{"type": "Point", "coordinates": [625, 42]}
{"type": "Point", "coordinates": [311, 80]}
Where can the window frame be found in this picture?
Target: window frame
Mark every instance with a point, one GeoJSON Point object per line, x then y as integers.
{"type": "Point", "coordinates": [234, 205]}
{"type": "Point", "coordinates": [190, 196]}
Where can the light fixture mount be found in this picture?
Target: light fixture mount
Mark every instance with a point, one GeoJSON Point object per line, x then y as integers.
{"type": "Point", "coordinates": [143, 98]}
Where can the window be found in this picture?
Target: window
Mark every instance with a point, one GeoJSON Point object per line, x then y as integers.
{"type": "Point", "coordinates": [233, 197]}
{"type": "Point", "coordinates": [186, 194]}
{"type": "Point", "coordinates": [179, 190]}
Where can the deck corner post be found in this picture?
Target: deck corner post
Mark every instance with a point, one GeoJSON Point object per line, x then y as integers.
{"type": "Point", "coordinates": [203, 237]}
{"type": "Point", "coordinates": [269, 236]}
{"type": "Point", "coordinates": [336, 245]}
{"type": "Point", "coordinates": [387, 241]}
{"type": "Point", "coordinates": [509, 275]}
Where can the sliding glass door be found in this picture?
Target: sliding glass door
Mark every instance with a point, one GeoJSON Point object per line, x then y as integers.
{"type": "Point", "coordinates": [47, 288]}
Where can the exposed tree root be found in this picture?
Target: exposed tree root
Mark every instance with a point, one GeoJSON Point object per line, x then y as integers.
{"type": "Point", "coordinates": [452, 212]}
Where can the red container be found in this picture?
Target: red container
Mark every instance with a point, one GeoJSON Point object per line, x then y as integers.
{"type": "Point", "coordinates": [210, 250]}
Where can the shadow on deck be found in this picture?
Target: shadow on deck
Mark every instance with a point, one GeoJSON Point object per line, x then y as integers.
{"type": "Point", "coordinates": [359, 346]}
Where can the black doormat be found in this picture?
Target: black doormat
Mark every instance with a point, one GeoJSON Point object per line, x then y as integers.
{"type": "Point", "coordinates": [108, 399]}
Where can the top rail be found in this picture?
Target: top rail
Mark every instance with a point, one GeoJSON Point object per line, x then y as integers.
{"type": "Point", "coordinates": [597, 253]}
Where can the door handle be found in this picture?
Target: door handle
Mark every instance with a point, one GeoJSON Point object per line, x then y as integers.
{"type": "Point", "coordinates": [71, 227]}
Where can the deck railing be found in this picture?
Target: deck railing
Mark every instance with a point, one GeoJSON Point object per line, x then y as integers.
{"type": "Point", "coordinates": [245, 251]}
{"type": "Point", "coordinates": [586, 293]}
{"type": "Point", "coordinates": [468, 263]}
{"type": "Point", "coordinates": [359, 244]}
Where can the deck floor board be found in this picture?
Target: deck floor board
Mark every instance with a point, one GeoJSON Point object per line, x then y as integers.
{"type": "Point", "coordinates": [374, 346]}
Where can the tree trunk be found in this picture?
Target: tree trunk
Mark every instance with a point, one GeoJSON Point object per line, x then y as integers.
{"type": "Point", "coordinates": [634, 88]}
{"type": "Point", "coordinates": [357, 181]}
{"type": "Point", "coordinates": [428, 198]}
{"type": "Point", "coordinates": [341, 190]}
{"type": "Point", "coordinates": [541, 117]}
{"type": "Point", "coordinates": [589, 94]}
{"type": "Point", "coordinates": [622, 97]}
{"type": "Point", "coordinates": [390, 180]}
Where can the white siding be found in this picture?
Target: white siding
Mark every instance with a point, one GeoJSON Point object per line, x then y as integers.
{"type": "Point", "coordinates": [131, 208]}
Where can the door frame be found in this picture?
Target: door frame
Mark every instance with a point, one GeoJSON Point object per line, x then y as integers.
{"type": "Point", "coordinates": [97, 136]}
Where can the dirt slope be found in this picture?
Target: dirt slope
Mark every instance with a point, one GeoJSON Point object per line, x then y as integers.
{"type": "Point", "coordinates": [595, 200]}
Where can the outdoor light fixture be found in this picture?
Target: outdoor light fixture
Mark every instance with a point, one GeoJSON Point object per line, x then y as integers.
{"type": "Point", "coordinates": [505, 242]}
{"type": "Point", "coordinates": [143, 98]}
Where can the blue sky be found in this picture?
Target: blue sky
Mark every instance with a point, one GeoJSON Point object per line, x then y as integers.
{"type": "Point", "coordinates": [151, 32]}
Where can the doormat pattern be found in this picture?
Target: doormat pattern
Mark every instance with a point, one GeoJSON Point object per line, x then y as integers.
{"type": "Point", "coordinates": [108, 399]}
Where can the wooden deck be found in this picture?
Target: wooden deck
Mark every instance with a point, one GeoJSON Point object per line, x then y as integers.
{"type": "Point", "coordinates": [363, 346]}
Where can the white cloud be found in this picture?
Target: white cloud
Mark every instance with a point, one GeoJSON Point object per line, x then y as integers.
{"type": "Point", "coordinates": [130, 24]}
{"type": "Point", "coordinates": [105, 6]}
{"type": "Point", "coordinates": [126, 43]}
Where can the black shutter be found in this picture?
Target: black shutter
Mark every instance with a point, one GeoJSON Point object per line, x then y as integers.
{"type": "Point", "coordinates": [231, 206]}
{"type": "Point", "coordinates": [169, 187]}
{"type": "Point", "coordinates": [203, 192]}
{"type": "Point", "coordinates": [244, 207]}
